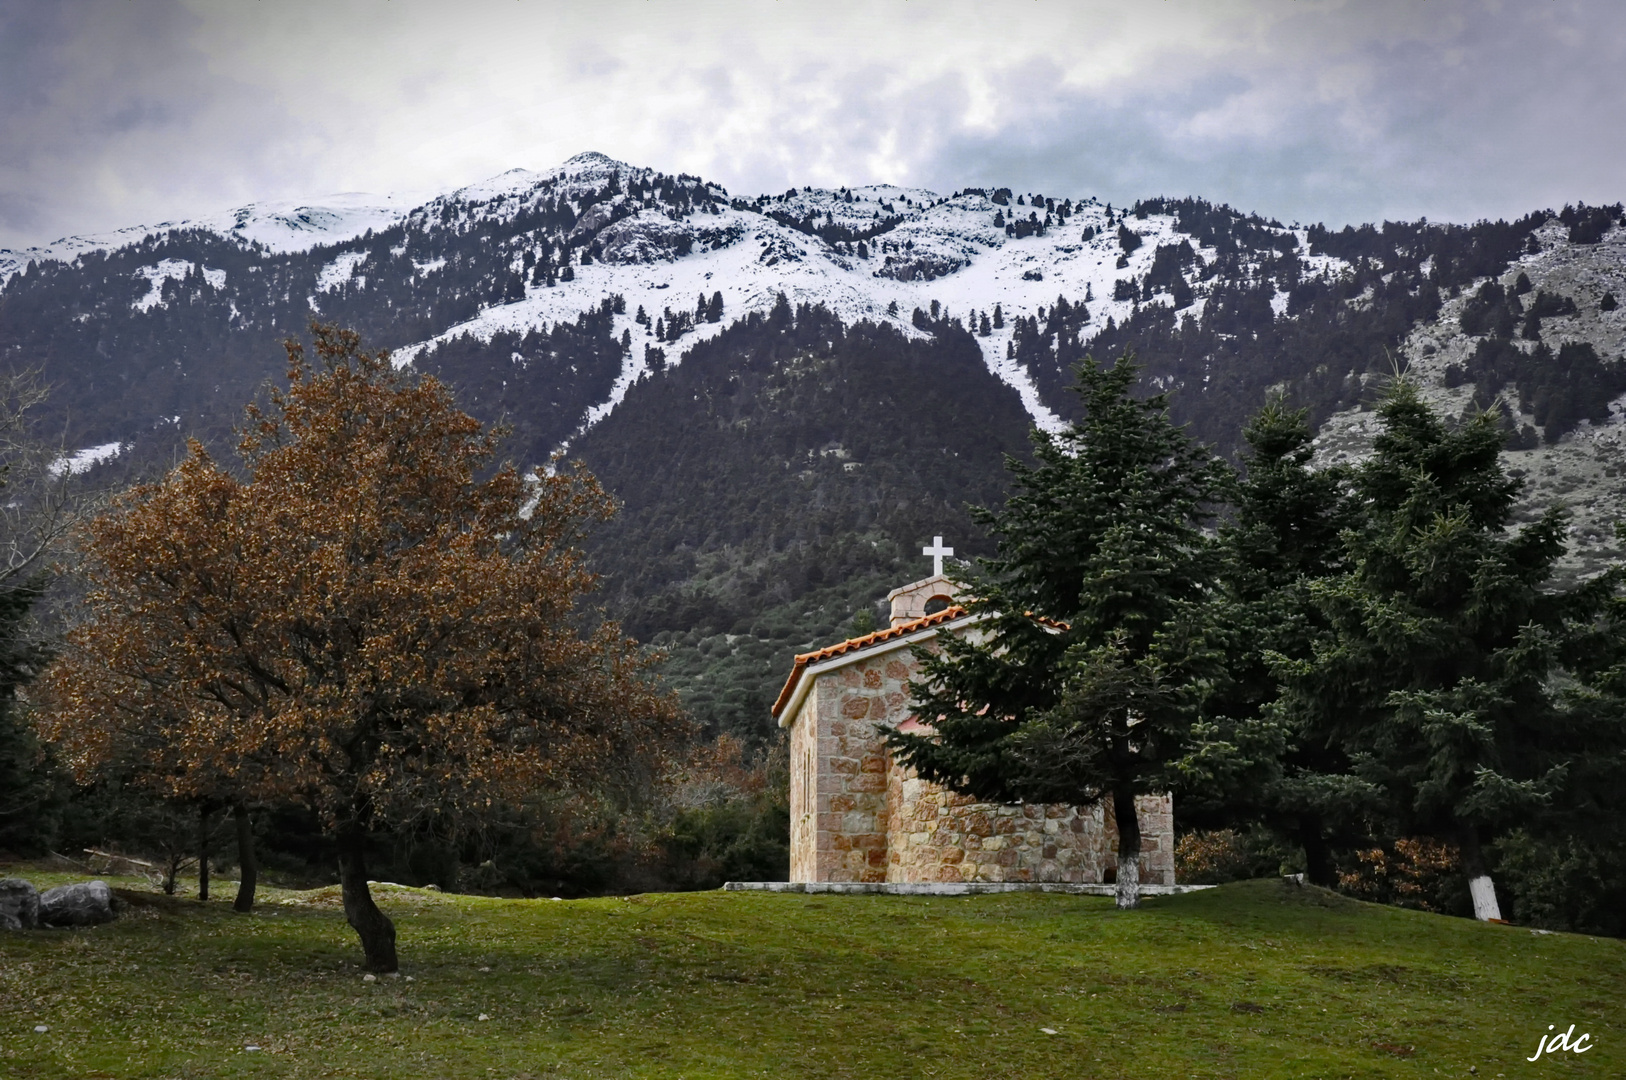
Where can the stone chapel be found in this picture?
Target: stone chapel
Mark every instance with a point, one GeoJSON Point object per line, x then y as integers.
{"type": "Point", "coordinates": [857, 816]}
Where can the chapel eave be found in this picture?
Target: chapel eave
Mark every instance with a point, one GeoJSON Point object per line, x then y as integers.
{"type": "Point", "coordinates": [810, 664]}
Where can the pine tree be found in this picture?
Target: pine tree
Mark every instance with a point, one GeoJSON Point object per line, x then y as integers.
{"type": "Point", "coordinates": [1083, 678]}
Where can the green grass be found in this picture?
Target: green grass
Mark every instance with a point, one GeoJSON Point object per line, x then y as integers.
{"type": "Point", "coordinates": [1251, 980]}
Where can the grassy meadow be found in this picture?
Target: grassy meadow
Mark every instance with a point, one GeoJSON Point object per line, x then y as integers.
{"type": "Point", "coordinates": [1258, 979]}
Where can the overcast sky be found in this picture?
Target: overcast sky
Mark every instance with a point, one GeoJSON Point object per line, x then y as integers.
{"type": "Point", "coordinates": [122, 112]}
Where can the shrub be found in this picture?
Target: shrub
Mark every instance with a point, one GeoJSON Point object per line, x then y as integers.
{"type": "Point", "coordinates": [1420, 872]}
{"type": "Point", "coordinates": [1214, 858]}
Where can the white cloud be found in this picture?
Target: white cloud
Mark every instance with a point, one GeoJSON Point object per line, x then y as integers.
{"type": "Point", "coordinates": [1319, 109]}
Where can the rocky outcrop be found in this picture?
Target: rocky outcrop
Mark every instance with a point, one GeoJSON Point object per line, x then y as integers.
{"type": "Point", "coordinates": [84, 903]}
{"type": "Point", "coordinates": [19, 905]}
{"type": "Point", "coordinates": [648, 236]}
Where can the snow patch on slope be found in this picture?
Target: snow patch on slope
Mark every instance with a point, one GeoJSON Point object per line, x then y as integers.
{"type": "Point", "coordinates": [163, 271]}
{"type": "Point", "coordinates": [339, 271]}
{"type": "Point", "coordinates": [84, 460]}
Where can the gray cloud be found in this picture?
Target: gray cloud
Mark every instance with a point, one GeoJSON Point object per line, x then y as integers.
{"type": "Point", "coordinates": [1484, 111]}
{"type": "Point", "coordinates": [114, 114]}
{"type": "Point", "coordinates": [110, 113]}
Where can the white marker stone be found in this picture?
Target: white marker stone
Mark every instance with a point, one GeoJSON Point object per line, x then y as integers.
{"type": "Point", "coordinates": [1484, 894]}
{"type": "Point", "coordinates": [40, 1029]}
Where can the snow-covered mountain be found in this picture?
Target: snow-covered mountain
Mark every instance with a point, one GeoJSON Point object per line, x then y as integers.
{"type": "Point", "coordinates": [911, 248]}
{"type": "Point", "coordinates": [273, 226]}
{"type": "Point", "coordinates": [870, 253]}
{"type": "Point", "coordinates": [789, 393]}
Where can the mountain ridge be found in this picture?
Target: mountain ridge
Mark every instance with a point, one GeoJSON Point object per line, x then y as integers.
{"type": "Point", "coordinates": [790, 393]}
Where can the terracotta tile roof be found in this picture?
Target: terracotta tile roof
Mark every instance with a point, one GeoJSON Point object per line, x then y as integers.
{"type": "Point", "coordinates": [858, 644]}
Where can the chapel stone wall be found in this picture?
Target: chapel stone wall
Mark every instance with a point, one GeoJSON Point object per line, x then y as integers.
{"type": "Point", "coordinates": [804, 781]}
{"type": "Point", "coordinates": [937, 835]}
{"type": "Point", "coordinates": [837, 735]}
{"type": "Point", "coordinates": [857, 816]}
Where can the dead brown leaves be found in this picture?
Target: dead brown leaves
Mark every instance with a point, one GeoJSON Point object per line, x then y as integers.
{"type": "Point", "coordinates": [378, 622]}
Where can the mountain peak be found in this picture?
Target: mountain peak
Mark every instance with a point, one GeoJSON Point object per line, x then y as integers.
{"type": "Point", "coordinates": [593, 157]}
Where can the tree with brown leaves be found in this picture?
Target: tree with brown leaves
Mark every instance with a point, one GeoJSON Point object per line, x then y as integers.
{"type": "Point", "coordinates": [377, 623]}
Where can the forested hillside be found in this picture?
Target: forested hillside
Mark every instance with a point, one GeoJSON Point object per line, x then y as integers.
{"type": "Point", "coordinates": [790, 393]}
{"type": "Point", "coordinates": [779, 482]}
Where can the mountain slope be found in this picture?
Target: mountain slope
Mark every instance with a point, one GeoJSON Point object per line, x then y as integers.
{"type": "Point", "coordinates": [791, 392]}
{"type": "Point", "coordinates": [1558, 379]}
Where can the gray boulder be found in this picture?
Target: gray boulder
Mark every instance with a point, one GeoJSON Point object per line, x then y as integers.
{"type": "Point", "coordinates": [19, 905]}
{"type": "Point", "coordinates": [83, 903]}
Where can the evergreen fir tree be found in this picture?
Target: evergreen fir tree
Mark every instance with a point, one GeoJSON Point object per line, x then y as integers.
{"type": "Point", "coordinates": [1437, 677]}
{"type": "Point", "coordinates": [1082, 680]}
{"type": "Point", "coordinates": [1247, 766]}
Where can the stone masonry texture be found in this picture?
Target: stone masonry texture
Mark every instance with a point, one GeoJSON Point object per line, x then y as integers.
{"type": "Point", "coordinates": [857, 816]}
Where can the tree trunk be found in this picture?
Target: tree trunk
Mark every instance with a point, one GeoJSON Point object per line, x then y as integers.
{"type": "Point", "coordinates": [248, 869]}
{"type": "Point", "coordinates": [1128, 822]}
{"type": "Point", "coordinates": [203, 852]}
{"type": "Point", "coordinates": [374, 928]}
{"type": "Point", "coordinates": [1480, 885]}
{"type": "Point", "coordinates": [1317, 855]}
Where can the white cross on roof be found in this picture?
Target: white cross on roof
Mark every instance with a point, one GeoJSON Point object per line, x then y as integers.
{"type": "Point", "coordinates": [937, 551]}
